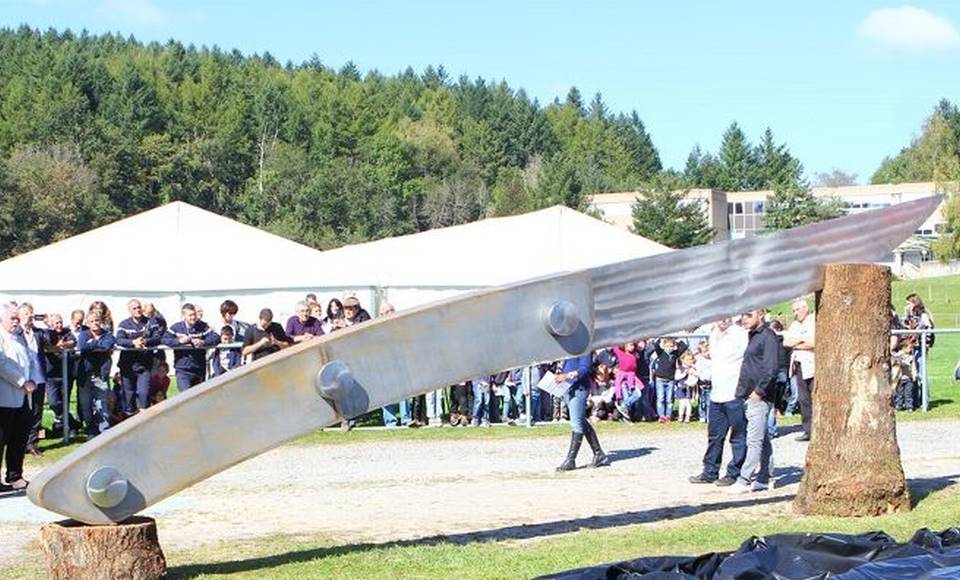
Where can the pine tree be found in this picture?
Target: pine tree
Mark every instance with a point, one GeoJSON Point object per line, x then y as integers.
{"type": "Point", "coordinates": [738, 165]}
{"type": "Point", "coordinates": [663, 214]}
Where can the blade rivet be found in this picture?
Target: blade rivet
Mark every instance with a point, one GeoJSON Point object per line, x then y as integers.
{"type": "Point", "coordinates": [106, 488]}
{"type": "Point", "coordinates": [561, 318]}
{"type": "Point", "coordinates": [334, 381]}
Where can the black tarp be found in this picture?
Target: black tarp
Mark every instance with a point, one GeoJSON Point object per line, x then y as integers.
{"type": "Point", "coordinates": [871, 556]}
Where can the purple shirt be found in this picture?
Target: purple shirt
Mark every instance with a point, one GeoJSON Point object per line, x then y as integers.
{"type": "Point", "coordinates": [297, 328]}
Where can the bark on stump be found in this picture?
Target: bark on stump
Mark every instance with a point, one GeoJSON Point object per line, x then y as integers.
{"type": "Point", "coordinates": [853, 463]}
{"type": "Point", "coordinates": [76, 551]}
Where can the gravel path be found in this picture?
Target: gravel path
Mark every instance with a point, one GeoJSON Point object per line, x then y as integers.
{"type": "Point", "coordinates": [403, 490]}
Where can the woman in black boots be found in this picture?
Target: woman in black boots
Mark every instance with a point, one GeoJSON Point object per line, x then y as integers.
{"type": "Point", "coordinates": [577, 371]}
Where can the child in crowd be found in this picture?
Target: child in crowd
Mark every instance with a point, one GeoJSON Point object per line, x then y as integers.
{"type": "Point", "coordinates": [600, 402]}
{"type": "Point", "coordinates": [686, 381]}
{"type": "Point", "coordinates": [225, 359]}
{"type": "Point", "coordinates": [903, 375]}
{"type": "Point", "coordinates": [626, 371]}
{"type": "Point", "coordinates": [159, 383]}
{"type": "Point", "coordinates": [664, 371]}
{"type": "Point", "coordinates": [704, 371]}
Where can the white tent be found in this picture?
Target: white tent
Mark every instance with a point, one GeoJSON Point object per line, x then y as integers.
{"type": "Point", "coordinates": [179, 253]}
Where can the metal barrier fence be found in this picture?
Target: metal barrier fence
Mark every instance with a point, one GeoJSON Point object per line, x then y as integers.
{"type": "Point", "coordinates": [67, 375]}
{"type": "Point", "coordinates": [925, 385]}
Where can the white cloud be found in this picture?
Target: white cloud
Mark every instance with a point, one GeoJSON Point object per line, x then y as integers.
{"type": "Point", "coordinates": [138, 11]}
{"type": "Point", "coordinates": [910, 28]}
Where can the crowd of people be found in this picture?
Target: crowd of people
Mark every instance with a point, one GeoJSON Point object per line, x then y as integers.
{"type": "Point", "coordinates": [120, 368]}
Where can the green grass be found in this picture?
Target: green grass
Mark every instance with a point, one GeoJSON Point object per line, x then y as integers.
{"type": "Point", "coordinates": [525, 551]}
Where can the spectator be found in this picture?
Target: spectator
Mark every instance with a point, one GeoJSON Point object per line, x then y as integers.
{"type": "Point", "coordinates": [460, 404]}
{"type": "Point", "coordinates": [756, 385]}
{"type": "Point", "coordinates": [159, 383]}
{"type": "Point", "coordinates": [151, 312]}
{"type": "Point", "coordinates": [302, 326]}
{"type": "Point", "coordinates": [199, 310]}
{"type": "Point", "coordinates": [397, 414]}
{"type": "Point", "coordinates": [136, 335]}
{"type": "Point", "coordinates": [190, 337]}
{"type": "Point", "coordinates": [57, 340]}
{"type": "Point", "coordinates": [228, 315]}
{"type": "Point", "coordinates": [801, 338]}
{"type": "Point", "coordinates": [16, 389]}
{"type": "Point", "coordinates": [77, 318]}
{"type": "Point", "coordinates": [903, 376]}
{"type": "Point", "coordinates": [576, 372]}
{"type": "Point", "coordinates": [106, 318]}
{"type": "Point", "coordinates": [95, 344]}
{"type": "Point", "coordinates": [665, 370]}
{"type": "Point", "coordinates": [705, 380]}
{"type": "Point", "coordinates": [481, 401]}
{"type": "Point", "coordinates": [316, 311]}
{"type": "Point", "coordinates": [726, 415]}
{"type": "Point", "coordinates": [353, 313]}
{"type": "Point", "coordinates": [265, 337]}
{"type": "Point", "coordinates": [686, 382]}
{"type": "Point", "coordinates": [334, 320]}
{"type": "Point", "coordinates": [225, 359]}
{"type": "Point", "coordinates": [35, 348]}
{"type": "Point", "coordinates": [626, 371]}
{"type": "Point", "coordinates": [311, 299]}
{"type": "Point", "coordinates": [601, 398]}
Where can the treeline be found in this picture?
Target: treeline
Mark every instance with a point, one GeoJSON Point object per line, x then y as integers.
{"type": "Point", "coordinates": [933, 156]}
{"type": "Point", "coordinates": [93, 128]}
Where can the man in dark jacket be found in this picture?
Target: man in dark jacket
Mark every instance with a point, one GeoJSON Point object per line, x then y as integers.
{"type": "Point", "coordinates": [757, 386]}
{"type": "Point", "coordinates": [190, 364]}
{"type": "Point", "coordinates": [95, 344]}
{"type": "Point", "coordinates": [137, 335]}
{"type": "Point", "coordinates": [58, 339]}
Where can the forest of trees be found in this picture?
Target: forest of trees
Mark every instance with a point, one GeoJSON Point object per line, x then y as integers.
{"type": "Point", "coordinates": [98, 127]}
{"type": "Point", "coordinates": [93, 128]}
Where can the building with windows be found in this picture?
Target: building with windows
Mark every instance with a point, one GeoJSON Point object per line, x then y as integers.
{"type": "Point", "coordinates": [740, 214]}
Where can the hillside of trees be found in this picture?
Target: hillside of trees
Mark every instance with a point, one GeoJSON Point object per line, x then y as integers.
{"type": "Point", "coordinates": [93, 128]}
{"type": "Point", "coordinates": [98, 127]}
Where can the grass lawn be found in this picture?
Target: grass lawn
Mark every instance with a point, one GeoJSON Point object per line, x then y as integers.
{"type": "Point", "coordinates": [524, 551]}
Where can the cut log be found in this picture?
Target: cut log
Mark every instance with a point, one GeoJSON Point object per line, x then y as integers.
{"type": "Point", "coordinates": [76, 551]}
{"type": "Point", "coordinates": [853, 463]}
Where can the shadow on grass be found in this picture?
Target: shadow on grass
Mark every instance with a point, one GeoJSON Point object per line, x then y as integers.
{"type": "Point", "coordinates": [521, 532]}
{"type": "Point", "coordinates": [921, 487]}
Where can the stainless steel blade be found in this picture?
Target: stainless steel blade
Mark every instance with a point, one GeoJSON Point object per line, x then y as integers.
{"type": "Point", "coordinates": [259, 406]}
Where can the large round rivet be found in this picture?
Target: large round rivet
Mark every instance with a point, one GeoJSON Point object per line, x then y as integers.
{"type": "Point", "coordinates": [561, 318]}
{"type": "Point", "coordinates": [334, 380]}
{"type": "Point", "coordinates": [106, 488]}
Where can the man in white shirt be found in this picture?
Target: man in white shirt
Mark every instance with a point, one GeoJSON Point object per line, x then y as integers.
{"type": "Point", "coordinates": [728, 341]}
{"type": "Point", "coordinates": [16, 367]}
{"type": "Point", "coordinates": [801, 338]}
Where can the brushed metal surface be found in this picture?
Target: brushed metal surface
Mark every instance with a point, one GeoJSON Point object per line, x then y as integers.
{"type": "Point", "coordinates": [252, 409]}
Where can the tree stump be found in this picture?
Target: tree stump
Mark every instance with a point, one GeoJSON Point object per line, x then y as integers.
{"type": "Point", "coordinates": [76, 551]}
{"type": "Point", "coordinates": [853, 463]}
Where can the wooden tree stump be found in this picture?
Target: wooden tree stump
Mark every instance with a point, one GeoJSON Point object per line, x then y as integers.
{"type": "Point", "coordinates": [76, 551]}
{"type": "Point", "coordinates": [853, 463]}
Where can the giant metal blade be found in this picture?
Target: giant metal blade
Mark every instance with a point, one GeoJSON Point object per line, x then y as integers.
{"type": "Point", "coordinates": [252, 409]}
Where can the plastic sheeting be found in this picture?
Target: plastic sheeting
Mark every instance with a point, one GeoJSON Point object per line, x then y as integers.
{"type": "Point", "coordinates": [872, 556]}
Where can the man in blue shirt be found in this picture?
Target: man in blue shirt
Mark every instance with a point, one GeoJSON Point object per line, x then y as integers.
{"type": "Point", "coordinates": [137, 335]}
{"type": "Point", "coordinates": [190, 339]}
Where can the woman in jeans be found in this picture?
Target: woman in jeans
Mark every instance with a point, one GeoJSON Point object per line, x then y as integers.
{"type": "Point", "coordinates": [577, 371]}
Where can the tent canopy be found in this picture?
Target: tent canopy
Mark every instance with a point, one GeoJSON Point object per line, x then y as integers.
{"type": "Point", "coordinates": [492, 251]}
{"type": "Point", "coordinates": [179, 252]}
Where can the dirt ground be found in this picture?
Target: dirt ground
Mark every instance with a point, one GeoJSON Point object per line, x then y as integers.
{"type": "Point", "coordinates": [400, 490]}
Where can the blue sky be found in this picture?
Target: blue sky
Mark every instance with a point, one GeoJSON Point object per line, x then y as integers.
{"type": "Point", "coordinates": [843, 83]}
